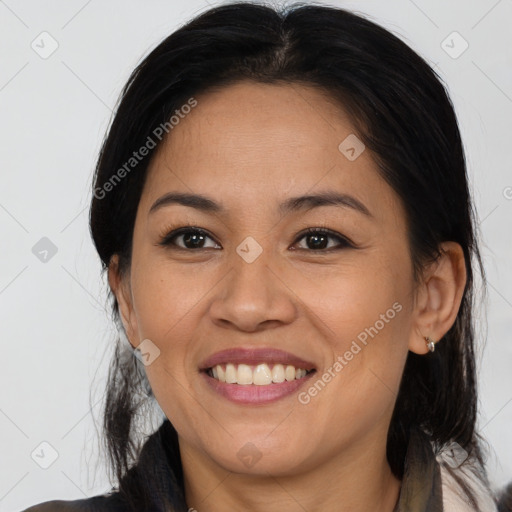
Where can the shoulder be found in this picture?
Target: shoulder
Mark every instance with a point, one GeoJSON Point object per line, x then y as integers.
{"type": "Point", "coordinates": [464, 483]}
{"type": "Point", "coordinates": [505, 499]}
{"type": "Point", "coordinates": [104, 503]}
{"type": "Point", "coordinates": [147, 486]}
{"type": "Point", "coordinates": [55, 506]}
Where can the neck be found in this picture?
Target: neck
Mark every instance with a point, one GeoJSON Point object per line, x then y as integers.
{"type": "Point", "coordinates": [355, 481]}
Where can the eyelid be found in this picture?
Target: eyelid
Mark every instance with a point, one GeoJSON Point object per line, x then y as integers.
{"type": "Point", "coordinates": [170, 233]}
{"type": "Point", "coordinates": [344, 241]}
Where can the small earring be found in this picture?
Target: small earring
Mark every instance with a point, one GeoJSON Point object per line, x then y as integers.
{"type": "Point", "coordinates": [430, 343]}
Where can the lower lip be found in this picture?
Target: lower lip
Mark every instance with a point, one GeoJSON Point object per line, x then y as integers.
{"type": "Point", "coordinates": [253, 394]}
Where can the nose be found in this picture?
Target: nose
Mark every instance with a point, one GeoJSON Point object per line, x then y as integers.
{"type": "Point", "coordinates": [254, 297]}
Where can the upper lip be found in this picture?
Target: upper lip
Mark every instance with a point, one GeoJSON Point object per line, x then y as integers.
{"type": "Point", "coordinates": [252, 356]}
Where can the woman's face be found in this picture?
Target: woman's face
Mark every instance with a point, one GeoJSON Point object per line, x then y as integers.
{"type": "Point", "coordinates": [339, 302]}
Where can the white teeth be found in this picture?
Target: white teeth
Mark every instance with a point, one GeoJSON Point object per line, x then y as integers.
{"type": "Point", "coordinates": [244, 375]}
{"type": "Point", "coordinates": [278, 373]}
{"type": "Point", "coordinates": [231, 374]}
{"type": "Point", "coordinates": [261, 375]}
{"type": "Point", "coordinates": [289, 372]}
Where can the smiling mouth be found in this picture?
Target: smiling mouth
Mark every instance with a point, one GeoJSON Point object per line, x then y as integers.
{"type": "Point", "coordinates": [262, 374]}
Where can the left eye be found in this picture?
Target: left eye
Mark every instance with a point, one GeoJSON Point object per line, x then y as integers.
{"type": "Point", "coordinates": [318, 239]}
{"type": "Point", "coordinates": [192, 238]}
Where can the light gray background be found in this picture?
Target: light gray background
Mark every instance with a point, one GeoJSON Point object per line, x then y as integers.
{"type": "Point", "coordinates": [55, 333]}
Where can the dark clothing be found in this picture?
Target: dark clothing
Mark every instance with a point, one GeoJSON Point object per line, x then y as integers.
{"type": "Point", "coordinates": [421, 489]}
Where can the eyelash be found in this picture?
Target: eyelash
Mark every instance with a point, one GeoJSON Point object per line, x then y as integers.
{"type": "Point", "coordinates": [344, 242]}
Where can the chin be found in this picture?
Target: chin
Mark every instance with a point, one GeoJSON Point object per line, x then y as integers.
{"type": "Point", "coordinates": [261, 456]}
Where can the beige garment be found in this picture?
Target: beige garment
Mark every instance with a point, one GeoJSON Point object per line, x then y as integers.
{"type": "Point", "coordinates": [455, 498]}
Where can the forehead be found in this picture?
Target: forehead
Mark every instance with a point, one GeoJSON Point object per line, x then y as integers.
{"type": "Point", "coordinates": [255, 142]}
{"type": "Point", "coordinates": [286, 122]}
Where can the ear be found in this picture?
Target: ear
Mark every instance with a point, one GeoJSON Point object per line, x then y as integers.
{"type": "Point", "coordinates": [120, 286]}
{"type": "Point", "coordinates": [438, 297]}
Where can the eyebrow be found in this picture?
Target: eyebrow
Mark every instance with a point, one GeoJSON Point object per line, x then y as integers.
{"type": "Point", "coordinates": [293, 204]}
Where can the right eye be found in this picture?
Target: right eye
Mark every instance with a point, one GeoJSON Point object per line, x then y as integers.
{"type": "Point", "coordinates": [191, 238]}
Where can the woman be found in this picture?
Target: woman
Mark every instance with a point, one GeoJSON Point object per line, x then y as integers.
{"type": "Point", "coordinates": [282, 208]}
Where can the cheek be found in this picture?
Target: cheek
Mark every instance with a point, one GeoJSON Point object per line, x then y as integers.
{"type": "Point", "coordinates": [166, 302]}
{"type": "Point", "coordinates": [360, 293]}
{"type": "Point", "coordinates": [164, 295]}
{"type": "Point", "coordinates": [364, 313]}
